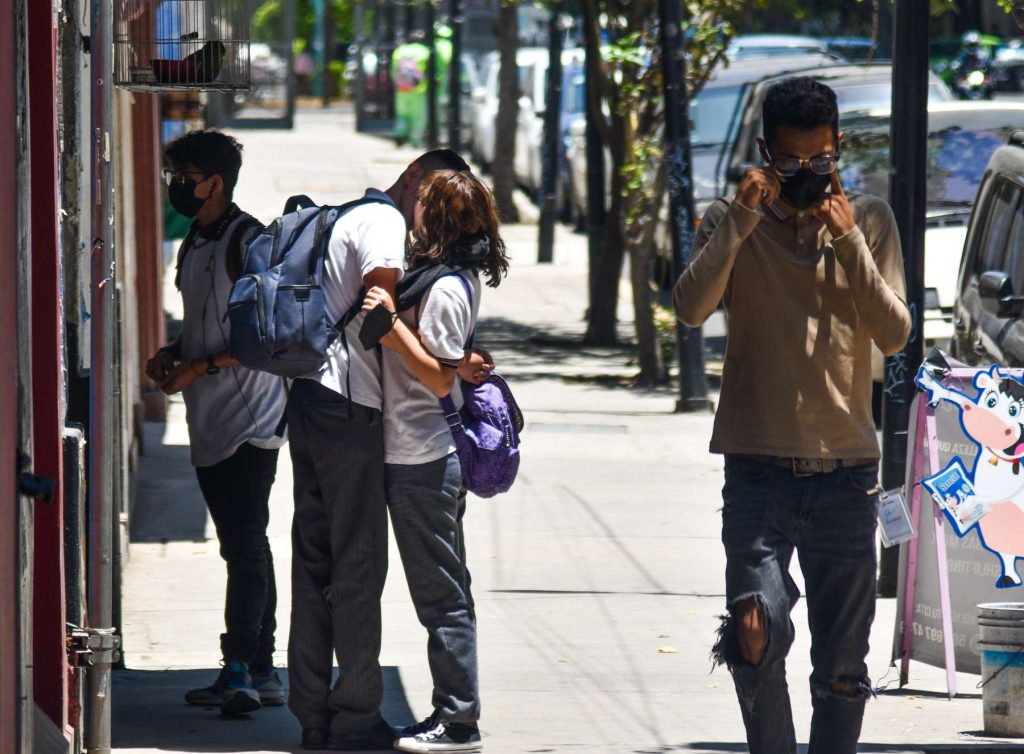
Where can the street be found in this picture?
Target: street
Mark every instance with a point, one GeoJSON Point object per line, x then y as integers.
{"type": "Point", "coordinates": [598, 579]}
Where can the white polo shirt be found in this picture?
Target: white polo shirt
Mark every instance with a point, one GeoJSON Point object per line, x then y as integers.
{"type": "Point", "coordinates": [415, 430]}
{"type": "Point", "coordinates": [365, 238]}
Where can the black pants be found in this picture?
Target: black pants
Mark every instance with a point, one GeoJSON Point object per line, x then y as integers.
{"type": "Point", "coordinates": [237, 492]}
{"type": "Point", "coordinates": [339, 559]}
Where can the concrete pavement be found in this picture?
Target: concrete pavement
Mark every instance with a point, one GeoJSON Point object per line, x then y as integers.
{"type": "Point", "coordinates": [598, 578]}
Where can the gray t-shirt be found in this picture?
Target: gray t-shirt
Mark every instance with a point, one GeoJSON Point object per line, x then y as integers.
{"type": "Point", "coordinates": [365, 238]}
{"type": "Point", "coordinates": [236, 405]}
{"type": "Point", "coordinates": [415, 430]}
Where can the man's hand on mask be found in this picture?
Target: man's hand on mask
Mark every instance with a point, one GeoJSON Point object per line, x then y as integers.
{"type": "Point", "coordinates": [759, 186]}
{"type": "Point", "coordinates": [835, 211]}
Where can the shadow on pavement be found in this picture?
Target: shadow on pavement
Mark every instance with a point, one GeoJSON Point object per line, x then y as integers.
{"type": "Point", "coordinates": [149, 712]}
{"type": "Point", "coordinates": [986, 746]}
{"type": "Point", "coordinates": [168, 504]}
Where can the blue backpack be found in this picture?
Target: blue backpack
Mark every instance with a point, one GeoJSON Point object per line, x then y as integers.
{"type": "Point", "coordinates": [279, 321]}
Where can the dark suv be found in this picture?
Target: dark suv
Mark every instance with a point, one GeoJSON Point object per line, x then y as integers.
{"type": "Point", "coordinates": [989, 304]}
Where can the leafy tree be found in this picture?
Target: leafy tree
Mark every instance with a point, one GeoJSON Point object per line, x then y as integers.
{"type": "Point", "coordinates": [268, 21]}
{"type": "Point", "coordinates": [630, 116]}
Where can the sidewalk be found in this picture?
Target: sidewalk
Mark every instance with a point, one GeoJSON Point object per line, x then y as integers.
{"type": "Point", "coordinates": [598, 578]}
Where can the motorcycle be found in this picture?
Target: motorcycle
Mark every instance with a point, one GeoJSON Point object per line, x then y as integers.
{"type": "Point", "coordinates": [973, 84]}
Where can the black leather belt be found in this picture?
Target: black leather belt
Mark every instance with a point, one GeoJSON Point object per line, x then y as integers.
{"type": "Point", "coordinates": [810, 466]}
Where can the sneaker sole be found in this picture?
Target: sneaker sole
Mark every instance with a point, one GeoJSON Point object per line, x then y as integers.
{"type": "Point", "coordinates": [272, 698]}
{"type": "Point", "coordinates": [205, 701]}
{"type": "Point", "coordinates": [240, 702]}
{"type": "Point", "coordinates": [411, 745]}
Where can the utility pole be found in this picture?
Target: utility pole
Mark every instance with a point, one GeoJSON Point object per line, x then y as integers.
{"type": "Point", "coordinates": [551, 147]}
{"type": "Point", "coordinates": [455, 79]}
{"type": "Point", "coordinates": [431, 42]}
{"type": "Point", "coordinates": [908, 196]}
{"type": "Point", "coordinates": [693, 386]}
{"type": "Point", "coordinates": [328, 52]}
{"type": "Point", "coordinates": [596, 210]}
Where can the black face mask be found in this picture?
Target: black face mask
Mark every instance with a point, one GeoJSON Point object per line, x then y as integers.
{"type": "Point", "coordinates": [805, 188]}
{"type": "Point", "coordinates": [183, 198]}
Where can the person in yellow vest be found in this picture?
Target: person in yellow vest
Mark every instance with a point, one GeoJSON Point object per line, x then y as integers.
{"type": "Point", "coordinates": [409, 76]}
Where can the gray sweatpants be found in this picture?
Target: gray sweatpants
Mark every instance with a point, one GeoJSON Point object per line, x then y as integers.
{"type": "Point", "coordinates": [339, 559]}
{"type": "Point", "coordinates": [427, 502]}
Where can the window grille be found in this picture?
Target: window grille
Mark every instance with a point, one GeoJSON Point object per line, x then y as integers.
{"type": "Point", "coordinates": [162, 45]}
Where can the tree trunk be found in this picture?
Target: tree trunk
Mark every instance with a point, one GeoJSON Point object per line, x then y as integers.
{"type": "Point", "coordinates": [605, 275]}
{"type": "Point", "coordinates": [508, 112]}
{"type": "Point", "coordinates": [648, 350]}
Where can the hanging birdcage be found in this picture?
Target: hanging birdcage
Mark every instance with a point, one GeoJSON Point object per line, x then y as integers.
{"type": "Point", "coordinates": [162, 45]}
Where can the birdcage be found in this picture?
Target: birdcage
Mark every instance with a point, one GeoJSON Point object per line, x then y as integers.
{"type": "Point", "coordinates": [162, 45]}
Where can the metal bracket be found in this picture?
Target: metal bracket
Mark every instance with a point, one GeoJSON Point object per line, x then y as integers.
{"type": "Point", "coordinates": [88, 647]}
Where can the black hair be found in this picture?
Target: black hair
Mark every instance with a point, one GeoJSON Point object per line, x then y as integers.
{"type": "Point", "coordinates": [212, 152]}
{"type": "Point", "coordinates": [801, 103]}
{"type": "Point", "coordinates": [1012, 388]}
{"type": "Point", "coordinates": [441, 159]}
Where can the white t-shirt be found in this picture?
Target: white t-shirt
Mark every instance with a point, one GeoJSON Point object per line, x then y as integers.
{"type": "Point", "coordinates": [236, 405]}
{"type": "Point", "coordinates": [365, 238]}
{"type": "Point", "coordinates": [415, 430]}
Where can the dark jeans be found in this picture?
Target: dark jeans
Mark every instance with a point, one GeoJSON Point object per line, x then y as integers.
{"type": "Point", "coordinates": [829, 519]}
{"type": "Point", "coordinates": [237, 493]}
{"type": "Point", "coordinates": [339, 559]}
{"type": "Point", "coordinates": [427, 502]}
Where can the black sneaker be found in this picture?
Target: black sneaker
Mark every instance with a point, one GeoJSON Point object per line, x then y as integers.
{"type": "Point", "coordinates": [429, 723]}
{"type": "Point", "coordinates": [239, 696]}
{"type": "Point", "coordinates": [458, 737]}
{"type": "Point", "coordinates": [379, 737]}
{"type": "Point", "coordinates": [210, 696]}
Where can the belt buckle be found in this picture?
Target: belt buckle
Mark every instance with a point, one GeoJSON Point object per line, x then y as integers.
{"type": "Point", "coordinates": [807, 467]}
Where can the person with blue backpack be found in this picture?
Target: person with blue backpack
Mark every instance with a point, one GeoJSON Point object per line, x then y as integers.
{"type": "Point", "coordinates": [234, 414]}
{"type": "Point", "coordinates": [454, 242]}
{"type": "Point", "coordinates": [297, 303]}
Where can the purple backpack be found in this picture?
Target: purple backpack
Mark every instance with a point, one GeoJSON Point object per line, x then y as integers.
{"type": "Point", "coordinates": [486, 431]}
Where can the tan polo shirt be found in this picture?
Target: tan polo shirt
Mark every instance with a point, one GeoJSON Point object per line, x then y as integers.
{"type": "Point", "coordinates": [803, 309]}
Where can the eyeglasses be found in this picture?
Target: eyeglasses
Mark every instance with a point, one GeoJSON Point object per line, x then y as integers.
{"type": "Point", "coordinates": [822, 164]}
{"type": "Point", "coordinates": [179, 176]}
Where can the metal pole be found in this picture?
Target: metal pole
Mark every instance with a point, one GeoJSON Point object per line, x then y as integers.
{"type": "Point", "coordinates": [907, 192]}
{"type": "Point", "coordinates": [431, 42]}
{"type": "Point", "coordinates": [693, 387]}
{"type": "Point", "coordinates": [410, 19]}
{"type": "Point", "coordinates": [327, 77]}
{"type": "Point", "coordinates": [596, 210]}
{"type": "Point", "coordinates": [289, 53]}
{"type": "Point", "coordinates": [360, 23]}
{"type": "Point", "coordinates": [455, 79]}
{"type": "Point", "coordinates": [103, 383]}
{"type": "Point", "coordinates": [551, 148]}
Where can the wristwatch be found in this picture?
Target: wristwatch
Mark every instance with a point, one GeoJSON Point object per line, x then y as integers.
{"type": "Point", "coordinates": [211, 367]}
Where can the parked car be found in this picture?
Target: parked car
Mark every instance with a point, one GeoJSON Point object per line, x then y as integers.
{"type": "Point", "coordinates": [530, 124]}
{"type": "Point", "coordinates": [748, 46]}
{"type": "Point", "coordinates": [485, 101]}
{"type": "Point", "coordinates": [987, 314]}
{"type": "Point", "coordinates": [715, 116]}
{"type": "Point", "coordinates": [856, 49]}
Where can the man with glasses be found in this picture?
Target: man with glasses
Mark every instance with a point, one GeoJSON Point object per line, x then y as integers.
{"type": "Point", "coordinates": [234, 414]}
{"type": "Point", "coordinates": [809, 277]}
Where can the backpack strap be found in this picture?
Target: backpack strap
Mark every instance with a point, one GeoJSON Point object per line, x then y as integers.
{"type": "Point", "coordinates": [235, 259]}
{"type": "Point", "coordinates": [183, 251]}
{"type": "Point", "coordinates": [297, 202]}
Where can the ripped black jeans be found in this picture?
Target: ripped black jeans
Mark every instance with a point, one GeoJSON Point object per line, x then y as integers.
{"type": "Point", "coordinates": [830, 520]}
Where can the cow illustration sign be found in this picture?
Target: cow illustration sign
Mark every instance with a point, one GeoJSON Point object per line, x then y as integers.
{"type": "Point", "coordinates": [989, 498]}
{"type": "Point", "coordinates": [965, 452]}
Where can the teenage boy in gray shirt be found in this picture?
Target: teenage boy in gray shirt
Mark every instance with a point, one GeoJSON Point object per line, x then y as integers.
{"type": "Point", "coordinates": [234, 415]}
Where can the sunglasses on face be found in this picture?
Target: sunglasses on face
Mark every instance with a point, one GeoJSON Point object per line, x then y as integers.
{"type": "Point", "coordinates": [822, 164]}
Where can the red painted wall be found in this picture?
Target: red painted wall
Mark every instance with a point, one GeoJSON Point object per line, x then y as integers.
{"type": "Point", "coordinates": [8, 391]}
{"type": "Point", "coordinates": [49, 658]}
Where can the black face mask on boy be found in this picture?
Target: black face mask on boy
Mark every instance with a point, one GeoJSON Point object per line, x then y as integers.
{"type": "Point", "coordinates": [182, 195]}
{"type": "Point", "coordinates": [805, 189]}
